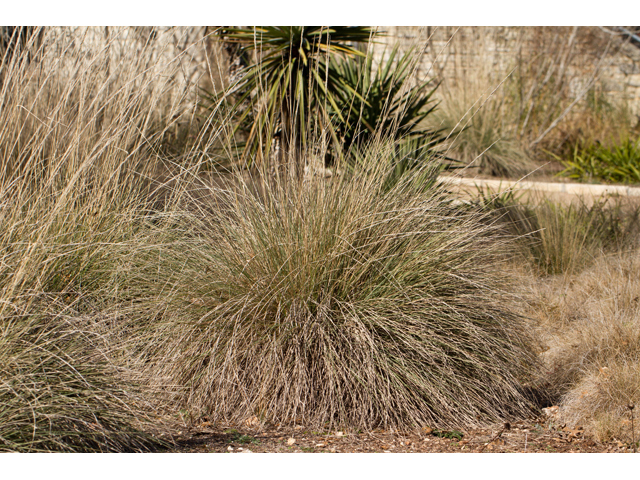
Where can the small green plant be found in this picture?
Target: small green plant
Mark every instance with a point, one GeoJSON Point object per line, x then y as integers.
{"type": "Point", "coordinates": [614, 163]}
{"type": "Point", "coordinates": [237, 437]}
{"type": "Point", "coordinates": [452, 434]}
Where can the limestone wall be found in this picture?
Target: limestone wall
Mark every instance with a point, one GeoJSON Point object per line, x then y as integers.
{"type": "Point", "coordinates": [454, 54]}
{"type": "Point", "coordinates": [173, 59]}
{"type": "Point", "coordinates": [449, 54]}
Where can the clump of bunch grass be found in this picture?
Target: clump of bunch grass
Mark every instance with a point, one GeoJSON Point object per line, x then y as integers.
{"type": "Point", "coordinates": [563, 238]}
{"type": "Point", "coordinates": [60, 392]}
{"type": "Point", "coordinates": [77, 145]}
{"type": "Point", "coordinates": [589, 323]}
{"type": "Point", "coordinates": [482, 129]}
{"type": "Point", "coordinates": [348, 301]}
{"type": "Point", "coordinates": [566, 238]}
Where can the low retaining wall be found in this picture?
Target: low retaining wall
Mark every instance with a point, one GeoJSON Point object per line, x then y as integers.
{"type": "Point", "coordinates": [569, 188]}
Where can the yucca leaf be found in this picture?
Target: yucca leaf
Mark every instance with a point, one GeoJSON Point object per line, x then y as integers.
{"type": "Point", "coordinates": [299, 52]}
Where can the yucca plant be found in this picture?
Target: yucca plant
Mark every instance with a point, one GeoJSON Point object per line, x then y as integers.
{"type": "Point", "coordinates": [290, 84]}
{"type": "Point", "coordinates": [380, 102]}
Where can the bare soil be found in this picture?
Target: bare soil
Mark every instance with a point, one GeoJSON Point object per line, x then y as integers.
{"type": "Point", "coordinates": [534, 436]}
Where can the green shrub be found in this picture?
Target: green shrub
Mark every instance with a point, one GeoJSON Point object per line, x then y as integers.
{"type": "Point", "coordinates": [617, 163]}
{"type": "Point", "coordinates": [338, 301]}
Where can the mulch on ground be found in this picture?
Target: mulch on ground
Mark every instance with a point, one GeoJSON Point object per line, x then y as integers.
{"type": "Point", "coordinates": [533, 436]}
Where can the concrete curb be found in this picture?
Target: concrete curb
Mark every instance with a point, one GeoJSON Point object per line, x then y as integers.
{"type": "Point", "coordinates": [570, 188]}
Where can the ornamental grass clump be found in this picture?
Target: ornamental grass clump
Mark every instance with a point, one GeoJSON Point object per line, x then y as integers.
{"type": "Point", "coordinates": [340, 301]}
{"type": "Point", "coordinates": [557, 238]}
{"type": "Point", "coordinates": [76, 143]}
{"type": "Point", "coordinates": [478, 120]}
{"type": "Point", "coordinates": [60, 392]}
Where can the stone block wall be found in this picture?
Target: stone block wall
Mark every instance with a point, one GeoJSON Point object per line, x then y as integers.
{"type": "Point", "coordinates": [448, 54]}
{"type": "Point", "coordinates": [459, 54]}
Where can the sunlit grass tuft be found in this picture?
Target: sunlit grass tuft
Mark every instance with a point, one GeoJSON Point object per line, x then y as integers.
{"type": "Point", "coordinates": [339, 301]}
